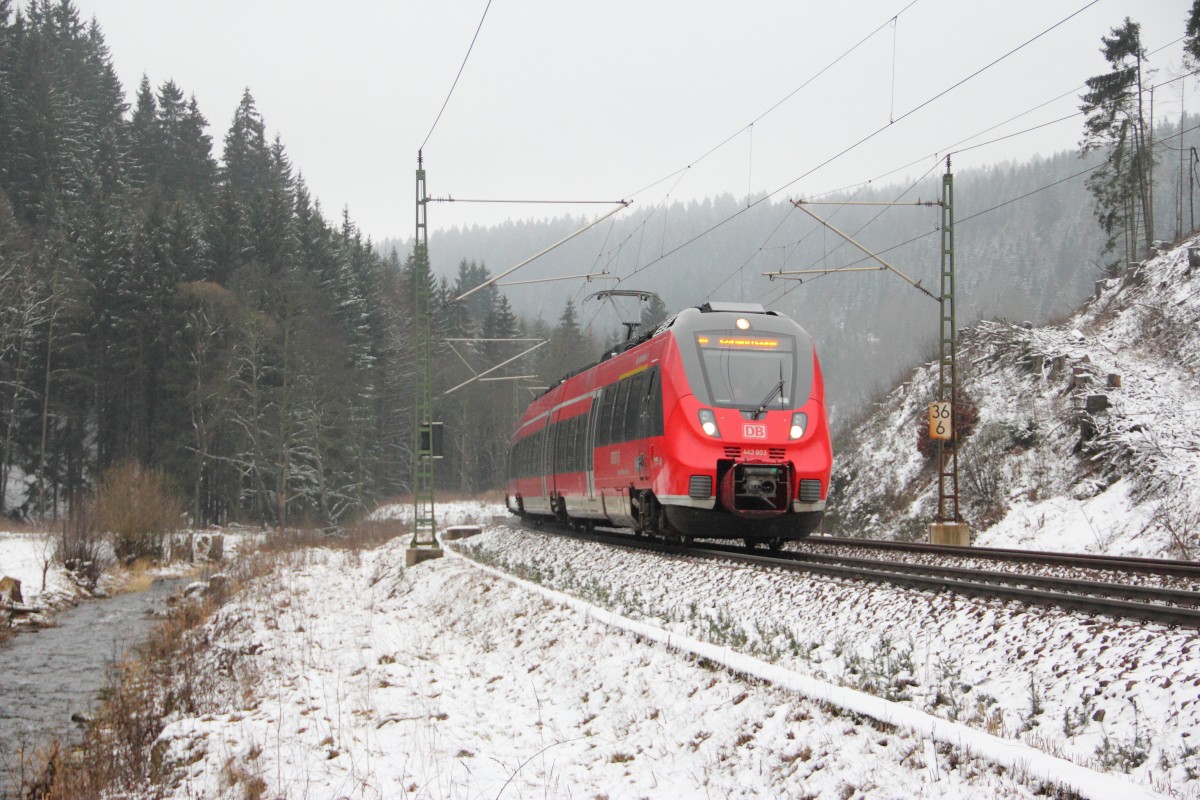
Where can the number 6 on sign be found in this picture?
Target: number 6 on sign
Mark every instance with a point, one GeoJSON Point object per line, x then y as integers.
{"type": "Point", "coordinates": [939, 420]}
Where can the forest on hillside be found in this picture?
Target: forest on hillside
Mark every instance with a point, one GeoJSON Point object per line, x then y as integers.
{"type": "Point", "coordinates": [203, 318]}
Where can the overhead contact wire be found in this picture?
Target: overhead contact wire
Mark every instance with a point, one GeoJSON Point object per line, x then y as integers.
{"type": "Point", "coordinates": [456, 77]}
{"type": "Point", "coordinates": [872, 135]}
{"type": "Point", "coordinates": [787, 97]}
{"type": "Point", "coordinates": [681, 173]}
{"type": "Point", "coordinates": [1008, 202]}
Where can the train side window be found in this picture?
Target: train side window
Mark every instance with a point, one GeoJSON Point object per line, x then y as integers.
{"type": "Point", "coordinates": [555, 433]}
{"type": "Point", "coordinates": [607, 402]}
{"type": "Point", "coordinates": [619, 432]}
{"type": "Point", "coordinates": [568, 438]}
{"type": "Point", "coordinates": [539, 452]}
{"type": "Point", "coordinates": [589, 436]}
{"type": "Point", "coordinates": [654, 405]}
{"type": "Point", "coordinates": [564, 446]}
{"type": "Point", "coordinates": [580, 427]}
{"type": "Point", "coordinates": [633, 407]}
{"type": "Point", "coordinates": [581, 442]}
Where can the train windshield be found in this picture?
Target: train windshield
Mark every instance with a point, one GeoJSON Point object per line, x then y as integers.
{"type": "Point", "coordinates": [748, 371]}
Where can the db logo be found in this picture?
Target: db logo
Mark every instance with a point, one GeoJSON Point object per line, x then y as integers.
{"type": "Point", "coordinates": [754, 431]}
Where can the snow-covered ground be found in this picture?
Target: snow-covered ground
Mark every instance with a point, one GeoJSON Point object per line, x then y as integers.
{"type": "Point", "coordinates": [45, 585]}
{"type": "Point", "coordinates": [24, 556]}
{"type": "Point", "coordinates": [1042, 470]}
{"type": "Point", "coordinates": [441, 681]}
{"type": "Point", "coordinates": [350, 675]}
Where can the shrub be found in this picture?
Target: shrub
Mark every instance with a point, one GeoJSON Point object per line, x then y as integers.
{"type": "Point", "coordinates": [80, 545]}
{"type": "Point", "coordinates": [136, 506]}
{"type": "Point", "coordinates": [1026, 434]}
{"type": "Point", "coordinates": [981, 468]}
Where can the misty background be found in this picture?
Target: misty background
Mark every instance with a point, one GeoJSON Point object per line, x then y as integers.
{"type": "Point", "coordinates": [1026, 249]}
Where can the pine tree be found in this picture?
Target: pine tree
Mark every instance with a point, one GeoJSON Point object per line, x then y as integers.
{"type": "Point", "coordinates": [145, 136]}
{"type": "Point", "coordinates": [568, 349]}
{"type": "Point", "coordinates": [1116, 122]}
{"type": "Point", "coordinates": [654, 312]}
{"type": "Point", "coordinates": [1191, 41]}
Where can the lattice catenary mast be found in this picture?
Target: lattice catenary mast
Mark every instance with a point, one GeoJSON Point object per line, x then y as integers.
{"type": "Point", "coordinates": [424, 540]}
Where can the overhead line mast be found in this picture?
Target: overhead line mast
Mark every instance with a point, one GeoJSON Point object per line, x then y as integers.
{"type": "Point", "coordinates": [948, 526]}
{"type": "Point", "coordinates": [426, 444]}
{"type": "Point", "coordinates": [424, 543]}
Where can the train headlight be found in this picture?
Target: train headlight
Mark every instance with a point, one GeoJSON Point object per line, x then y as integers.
{"type": "Point", "coordinates": [799, 423]}
{"type": "Point", "coordinates": [708, 423]}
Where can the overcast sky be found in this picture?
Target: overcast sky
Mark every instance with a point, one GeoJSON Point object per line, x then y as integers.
{"type": "Point", "coordinates": [563, 99]}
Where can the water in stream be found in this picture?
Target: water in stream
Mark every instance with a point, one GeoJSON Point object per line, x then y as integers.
{"type": "Point", "coordinates": [47, 676]}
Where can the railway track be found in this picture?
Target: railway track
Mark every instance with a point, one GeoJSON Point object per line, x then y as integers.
{"type": "Point", "coordinates": [1159, 604]}
{"type": "Point", "coordinates": [1122, 564]}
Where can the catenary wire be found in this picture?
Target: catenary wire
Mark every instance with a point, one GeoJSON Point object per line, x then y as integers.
{"type": "Point", "coordinates": [950, 151]}
{"type": "Point", "coordinates": [456, 77]}
{"type": "Point", "coordinates": [787, 97]}
{"type": "Point", "coordinates": [868, 137]}
{"type": "Point", "coordinates": [1002, 204]}
{"type": "Point", "coordinates": [680, 174]}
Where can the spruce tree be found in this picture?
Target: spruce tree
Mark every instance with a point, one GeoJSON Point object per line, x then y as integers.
{"type": "Point", "coordinates": [1191, 41]}
{"type": "Point", "coordinates": [1115, 121]}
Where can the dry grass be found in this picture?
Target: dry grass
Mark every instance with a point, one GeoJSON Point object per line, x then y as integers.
{"type": "Point", "coordinates": [137, 577]}
{"type": "Point", "coordinates": [10, 525]}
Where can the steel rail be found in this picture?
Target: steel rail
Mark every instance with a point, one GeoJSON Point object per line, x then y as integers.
{"type": "Point", "coordinates": [908, 575]}
{"type": "Point", "coordinates": [1162, 566]}
{"type": "Point", "coordinates": [1079, 586]}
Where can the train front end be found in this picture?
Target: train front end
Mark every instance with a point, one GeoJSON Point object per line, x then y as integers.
{"type": "Point", "coordinates": [747, 450]}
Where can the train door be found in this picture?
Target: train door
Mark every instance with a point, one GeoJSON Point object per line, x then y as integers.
{"type": "Point", "coordinates": [589, 444]}
{"type": "Point", "coordinates": [649, 423]}
{"type": "Point", "coordinates": [653, 420]}
{"type": "Point", "coordinates": [545, 456]}
{"type": "Point", "coordinates": [634, 421]}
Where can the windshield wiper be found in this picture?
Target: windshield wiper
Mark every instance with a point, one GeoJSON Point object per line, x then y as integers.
{"type": "Point", "coordinates": [777, 389]}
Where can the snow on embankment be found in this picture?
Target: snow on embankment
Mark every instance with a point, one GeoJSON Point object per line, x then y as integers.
{"type": "Point", "coordinates": [1088, 433]}
{"type": "Point", "coordinates": [1117, 696]}
{"type": "Point", "coordinates": [354, 676]}
{"type": "Point", "coordinates": [1008, 753]}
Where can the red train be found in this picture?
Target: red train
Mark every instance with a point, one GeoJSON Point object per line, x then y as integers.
{"type": "Point", "coordinates": [713, 426]}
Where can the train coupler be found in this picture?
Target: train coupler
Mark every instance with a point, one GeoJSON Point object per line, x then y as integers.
{"type": "Point", "coordinates": [756, 490]}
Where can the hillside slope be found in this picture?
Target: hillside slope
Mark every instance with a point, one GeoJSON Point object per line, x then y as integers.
{"type": "Point", "coordinates": [1088, 435]}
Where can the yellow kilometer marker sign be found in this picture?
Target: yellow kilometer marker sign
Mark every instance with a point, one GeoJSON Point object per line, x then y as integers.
{"type": "Point", "coordinates": [940, 426]}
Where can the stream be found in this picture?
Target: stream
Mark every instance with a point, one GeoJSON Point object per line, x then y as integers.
{"type": "Point", "coordinates": [48, 675]}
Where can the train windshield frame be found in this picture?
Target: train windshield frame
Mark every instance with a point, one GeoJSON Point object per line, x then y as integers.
{"type": "Point", "coordinates": [745, 370]}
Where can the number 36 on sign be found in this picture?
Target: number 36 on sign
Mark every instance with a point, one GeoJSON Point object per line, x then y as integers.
{"type": "Point", "coordinates": [939, 420]}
